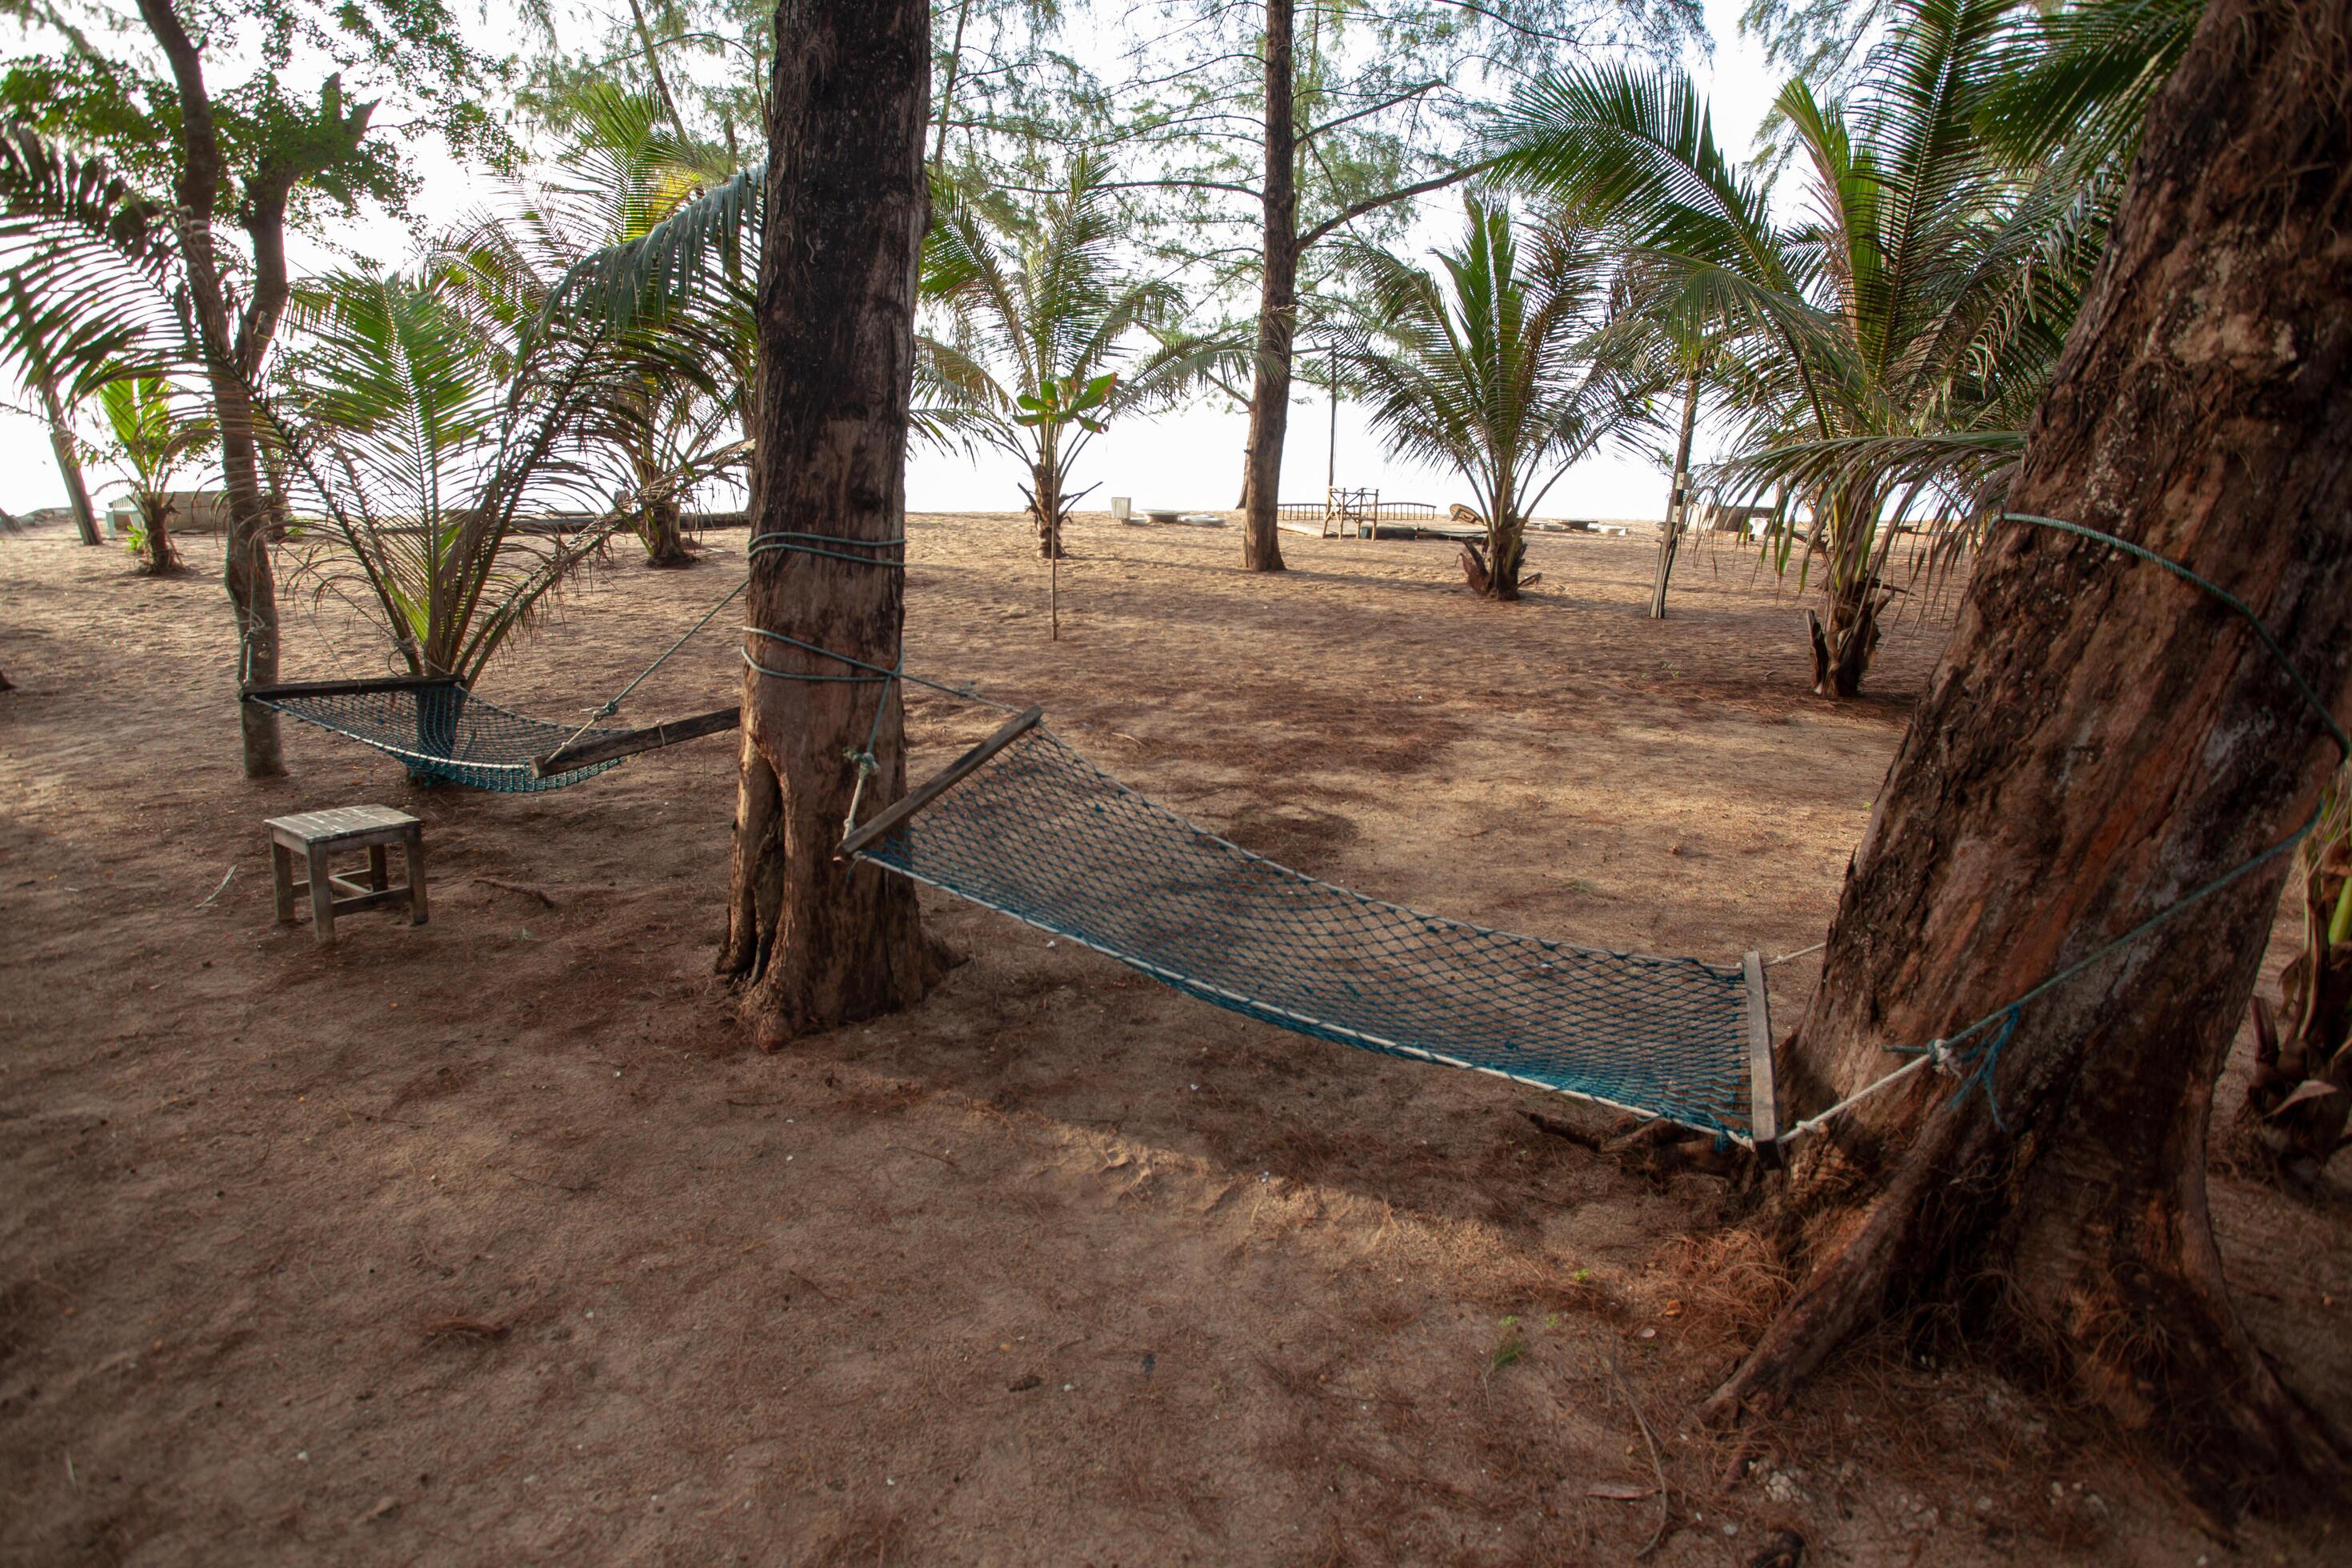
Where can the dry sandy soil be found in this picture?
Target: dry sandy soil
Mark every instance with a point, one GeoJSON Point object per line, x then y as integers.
{"type": "Point", "coordinates": [491, 1240]}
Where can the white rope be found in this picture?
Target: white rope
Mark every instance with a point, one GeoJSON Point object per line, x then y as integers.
{"type": "Point", "coordinates": [1937, 1054]}
{"type": "Point", "coordinates": [1799, 953]}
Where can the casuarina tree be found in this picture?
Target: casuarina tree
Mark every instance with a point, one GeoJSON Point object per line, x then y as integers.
{"type": "Point", "coordinates": [2101, 740]}
{"type": "Point", "coordinates": [812, 941]}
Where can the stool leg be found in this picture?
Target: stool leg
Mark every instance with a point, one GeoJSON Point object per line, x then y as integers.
{"type": "Point", "coordinates": [379, 878]}
{"type": "Point", "coordinates": [415, 844]}
{"type": "Point", "coordinates": [323, 896]}
{"type": "Point", "coordinates": [282, 878]}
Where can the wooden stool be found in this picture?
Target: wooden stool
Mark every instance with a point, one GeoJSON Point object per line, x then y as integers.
{"type": "Point", "coordinates": [312, 836]}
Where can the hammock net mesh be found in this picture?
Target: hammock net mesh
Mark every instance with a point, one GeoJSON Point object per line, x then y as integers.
{"type": "Point", "coordinates": [444, 732]}
{"type": "Point", "coordinates": [1042, 835]}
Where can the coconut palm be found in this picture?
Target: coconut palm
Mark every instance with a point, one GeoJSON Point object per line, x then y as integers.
{"type": "Point", "coordinates": [158, 432]}
{"type": "Point", "coordinates": [1045, 334]}
{"type": "Point", "coordinates": [1499, 370]}
{"type": "Point", "coordinates": [427, 431]}
{"type": "Point", "coordinates": [1890, 342]}
{"type": "Point", "coordinates": [688, 356]}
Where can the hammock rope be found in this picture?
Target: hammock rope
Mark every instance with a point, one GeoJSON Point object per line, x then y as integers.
{"type": "Point", "coordinates": [1043, 834]}
{"type": "Point", "coordinates": [439, 730]}
{"type": "Point", "coordinates": [1035, 831]}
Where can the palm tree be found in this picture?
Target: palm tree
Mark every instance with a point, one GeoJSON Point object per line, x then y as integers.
{"type": "Point", "coordinates": [426, 430]}
{"type": "Point", "coordinates": [1499, 370]}
{"type": "Point", "coordinates": [156, 435]}
{"type": "Point", "coordinates": [1042, 321]}
{"type": "Point", "coordinates": [1887, 346]}
{"type": "Point", "coordinates": [687, 354]}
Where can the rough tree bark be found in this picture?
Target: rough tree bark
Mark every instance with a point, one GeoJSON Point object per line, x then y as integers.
{"type": "Point", "coordinates": [1277, 307]}
{"type": "Point", "coordinates": [661, 528]}
{"type": "Point", "coordinates": [2100, 740]}
{"type": "Point", "coordinates": [163, 557]}
{"type": "Point", "coordinates": [813, 942]}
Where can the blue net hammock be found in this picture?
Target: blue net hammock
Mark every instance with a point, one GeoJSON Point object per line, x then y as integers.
{"type": "Point", "coordinates": [438, 729]}
{"type": "Point", "coordinates": [1044, 835]}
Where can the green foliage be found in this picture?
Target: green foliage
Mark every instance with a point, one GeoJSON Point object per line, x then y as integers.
{"type": "Point", "coordinates": [426, 422]}
{"type": "Point", "coordinates": [1042, 317]}
{"type": "Point", "coordinates": [106, 96]}
{"type": "Point", "coordinates": [1887, 346]}
{"type": "Point", "coordinates": [157, 433]}
{"type": "Point", "coordinates": [1067, 400]}
{"type": "Point", "coordinates": [1501, 369]}
{"type": "Point", "coordinates": [678, 359]}
{"type": "Point", "coordinates": [92, 268]}
{"type": "Point", "coordinates": [1510, 1347]}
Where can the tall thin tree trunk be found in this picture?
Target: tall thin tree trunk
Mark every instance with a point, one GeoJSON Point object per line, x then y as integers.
{"type": "Point", "coordinates": [816, 943]}
{"type": "Point", "coordinates": [948, 87]}
{"type": "Point", "coordinates": [1670, 536]}
{"type": "Point", "coordinates": [61, 442]}
{"type": "Point", "coordinates": [654, 68]}
{"type": "Point", "coordinates": [229, 360]}
{"type": "Point", "coordinates": [2100, 740]}
{"type": "Point", "coordinates": [1277, 306]}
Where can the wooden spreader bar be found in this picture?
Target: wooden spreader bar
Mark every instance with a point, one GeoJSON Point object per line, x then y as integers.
{"type": "Point", "coordinates": [629, 742]}
{"type": "Point", "coordinates": [345, 687]}
{"type": "Point", "coordinates": [1763, 1105]}
{"type": "Point", "coordinates": [947, 778]}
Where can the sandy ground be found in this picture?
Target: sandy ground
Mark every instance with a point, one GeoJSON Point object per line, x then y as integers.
{"type": "Point", "coordinates": [491, 1241]}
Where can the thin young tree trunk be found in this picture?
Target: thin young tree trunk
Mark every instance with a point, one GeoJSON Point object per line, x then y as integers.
{"type": "Point", "coordinates": [245, 569]}
{"type": "Point", "coordinates": [61, 442]}
{"type": "Point", "coordinates": [1670, 537]}
{"type": "Point", "coordinates": [1277, 306]}
{"type": "Point", "coordinates": [654, 68]}
{"type": "Point", "coordinates": [948, 87]}
{"type": "Point", "coordinates": [2100, 740]}
{"type": "Point", "coordinates": [814, 943]}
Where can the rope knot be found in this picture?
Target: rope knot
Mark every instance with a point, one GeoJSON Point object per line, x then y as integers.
{"type": "Point", "coordinates": [867, 766]}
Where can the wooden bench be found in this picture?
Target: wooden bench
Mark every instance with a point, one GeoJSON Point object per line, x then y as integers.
{"type": "Point", "coordinates": [312, 836]}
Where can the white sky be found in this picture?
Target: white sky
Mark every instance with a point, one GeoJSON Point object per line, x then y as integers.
{"type": "Point", "coordinates": [1190, 459]}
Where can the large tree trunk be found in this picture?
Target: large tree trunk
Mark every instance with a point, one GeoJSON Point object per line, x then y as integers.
{"type": "Point", "coordinates": [814, 943]}
{"type": "Point", "coordinates": [2100, 740]}
{"type": "Point", "coordinates": [1277, 307]}
{"type": "Point", "coordinates": [61, 442]}
{"type": "Point", "coordinates": [1670, 534]}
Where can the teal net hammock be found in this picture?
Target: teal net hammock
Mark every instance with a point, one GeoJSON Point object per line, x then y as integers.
{"type": "Point", "coordinates": [441, 732]}
{"type": "Point", "coordinates": [1042, 835]}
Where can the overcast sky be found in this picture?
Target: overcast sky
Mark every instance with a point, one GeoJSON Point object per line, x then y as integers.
{"type": "Point", "coordinates": [1190, 459]}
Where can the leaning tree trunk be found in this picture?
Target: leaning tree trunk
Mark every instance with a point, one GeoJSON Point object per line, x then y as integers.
{"type": "Point", "coordinates": [230, 363]}
{"type": "Point", "coordinates": [814, 943]}
{"type": "Point", "coordinates": [1278, 308]}
{"type": "Point", "coordinates": [61, 442]}
{"type": "Point", "coordinates": [2100, 740]}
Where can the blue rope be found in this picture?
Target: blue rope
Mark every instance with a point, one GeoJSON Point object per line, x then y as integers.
{"type": "Point", "coordinates": [1985, 1060]}
{"type": "Point", "coordinates": [878, 671]}
{"type": "Point", "coordinates": [786, 539]}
